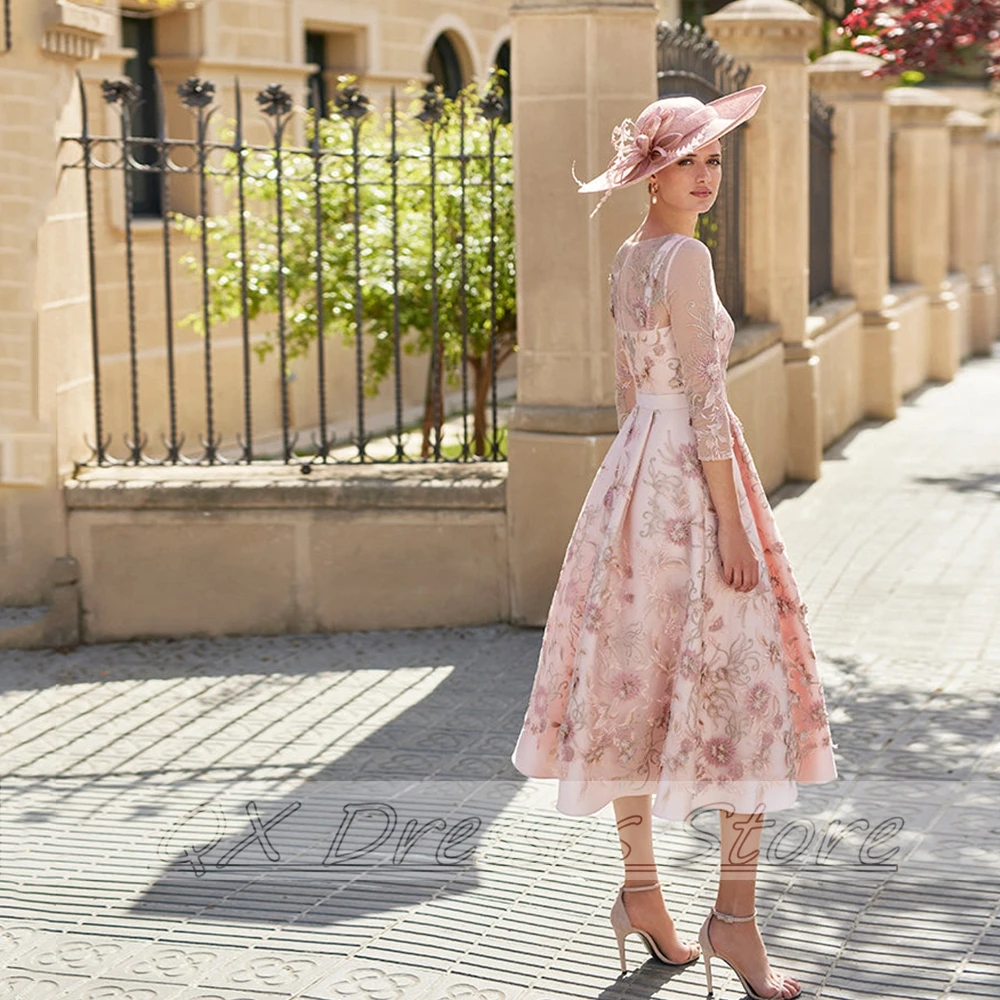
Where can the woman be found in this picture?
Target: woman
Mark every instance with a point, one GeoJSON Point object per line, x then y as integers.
{"type": "Point", "coordinates": [677, 672]}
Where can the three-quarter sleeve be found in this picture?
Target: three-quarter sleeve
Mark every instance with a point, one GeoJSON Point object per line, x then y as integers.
{"type": "Point", "coordinates": [624, 382]}
{"type": "Point", "coordinates": [690, 295]}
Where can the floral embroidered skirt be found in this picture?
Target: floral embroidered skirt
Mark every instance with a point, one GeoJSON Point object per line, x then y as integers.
{"type": "Point", "coordinates": [655, 676]}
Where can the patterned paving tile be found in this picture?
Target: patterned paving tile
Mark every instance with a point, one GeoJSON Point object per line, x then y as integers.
{"type": "Point", "coordinates": [267, 817]}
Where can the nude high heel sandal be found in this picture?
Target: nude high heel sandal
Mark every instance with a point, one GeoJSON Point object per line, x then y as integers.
{"type": "Point", "coordinates": [709, 952]}
{"type": "Point", "coordinates": [623, 927]}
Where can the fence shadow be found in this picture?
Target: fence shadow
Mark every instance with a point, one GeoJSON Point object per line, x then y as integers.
{"type": "Point", "coordinates": [909, 750]}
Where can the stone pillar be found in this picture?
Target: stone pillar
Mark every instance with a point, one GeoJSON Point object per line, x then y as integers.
{"type": "Point", "coordinates": [993, 210]}
{"type": "Point", "coordinates": [668, 10]}
{"type": "Point", "coordinates": [921, 171]}
{"type": "Point", "coordinates": [578, 70]}
{"type": "Point", "coordinates": [969, 219]}
{"type": "Point", "coordinates": [773, 37]}
{"type": "Point", "coordinates": [44, 318]}
{"type": "Point", "coordinates": [861, 213]}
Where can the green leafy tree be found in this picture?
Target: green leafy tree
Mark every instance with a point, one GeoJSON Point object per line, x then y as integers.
{"type": "Point", "coordinates": [450, 285]}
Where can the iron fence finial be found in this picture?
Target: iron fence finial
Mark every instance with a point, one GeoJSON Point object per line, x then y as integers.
{"type": "Point", "coordinates": [493, 105]}
{"type": "Point", "coordinates": [351, 102]}
{"type": "Point", "coordinates": [125, 92]}
{"type": "Point", "coordinates": [433, 106]}
{"type": "Point", "coordinates": [196, 93]}
{"type": "Point", "coordinates": [275, 101]}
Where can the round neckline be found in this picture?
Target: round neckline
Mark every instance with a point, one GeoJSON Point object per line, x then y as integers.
{"type": "Point", "coordinates": [650, 239]}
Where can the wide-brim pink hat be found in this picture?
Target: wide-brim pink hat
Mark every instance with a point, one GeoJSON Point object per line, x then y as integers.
{"type": "Point", "coordinates": [668, 130]}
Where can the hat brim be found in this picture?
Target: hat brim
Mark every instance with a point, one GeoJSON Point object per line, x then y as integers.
{"type": "Point", "coordinates": [732, 109]}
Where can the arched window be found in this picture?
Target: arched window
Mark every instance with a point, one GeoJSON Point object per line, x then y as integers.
{"type": "Point", "coordinates": [444, 65]}
{"type": "Point", "coordinates": [502, 62]}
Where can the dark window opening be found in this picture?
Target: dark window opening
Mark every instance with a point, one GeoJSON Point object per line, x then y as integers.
{"type": "Point", "coordinates": [445, 67]}
{"type": "Point", "coordinates": [503, 63]}
{"type": "Point", "coordinates": [7, 45]}
{"type": "Point", "coordinates": [138, 34]}
{"type": "Point", "coordinates": [692, 11]}
{"type": "Point", "coordinates": [316, 84]}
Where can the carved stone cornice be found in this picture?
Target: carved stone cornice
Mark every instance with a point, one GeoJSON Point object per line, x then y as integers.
{"type": "Point", "coordinates": [198, 65]}
{"type": "Point", "coordinates": [585, 420]}
{"type": "Point", "coordinates": [839, 75]}
{"type": "Point", "coordinates": [801, 351]}
{"type": "Point", "coordinates": [76, 31]}
{"type": "Point", "coordinates": [767, 29]}
{"type": "Point", "coordinates": [914, 107]}
{"type": "Point", "coordinates": [966, 126]}
{"type": "Point", "coordinates": [582, 6]}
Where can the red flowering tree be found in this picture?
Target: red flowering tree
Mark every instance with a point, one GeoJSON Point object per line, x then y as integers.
{"type": "Point", "coordinates": [928, 36]}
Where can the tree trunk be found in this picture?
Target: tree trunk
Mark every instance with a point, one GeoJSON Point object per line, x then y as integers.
{"type": "Point", "coordinates": [482, 369]}
{"type": "Point", "coordinates": [432, 420]}
{"type": "Point", "coordinates": [482, 383]}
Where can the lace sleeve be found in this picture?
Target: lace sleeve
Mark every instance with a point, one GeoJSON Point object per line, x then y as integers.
{"type": "Point", "coordinates": [690, 298]}
{"type": "Point", "coordinates": [624, 382]}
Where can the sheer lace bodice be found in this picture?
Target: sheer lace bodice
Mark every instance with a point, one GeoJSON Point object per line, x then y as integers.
{"type": "Point", "coordinates": [673, 334]}
{"type": "Point", "coordinates": [655, 675]}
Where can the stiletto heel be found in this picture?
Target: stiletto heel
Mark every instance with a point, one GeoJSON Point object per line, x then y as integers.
{"type": "Point", "coordinates": [621, 949]}
{"type": "Point", "coordinates": [623, 927]}
{"type": "Point", "coordinates": [708, 953]}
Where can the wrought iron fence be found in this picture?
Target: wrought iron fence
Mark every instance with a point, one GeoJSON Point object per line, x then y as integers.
{"type": "Point", "coordinates": [383, 237]}
{"type": "Point", "coordinates": [690, 63]}
{"type": "Point", "coordinates": [820, 198]}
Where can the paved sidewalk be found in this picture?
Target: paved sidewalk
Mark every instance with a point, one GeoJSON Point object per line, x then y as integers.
{"type": "Point", "coordinates": [336, 816]}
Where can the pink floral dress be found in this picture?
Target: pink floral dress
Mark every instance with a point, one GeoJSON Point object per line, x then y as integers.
{"type": "Point", "coordinates": [655, 675]}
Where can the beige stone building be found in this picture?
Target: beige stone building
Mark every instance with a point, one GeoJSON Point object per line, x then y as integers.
{"type": "Point", "coordinates": [46, 389]}
{"type": "Point", "coordinates": [384, 43]}
{"type": "Point", "coordinates": [122, 551]}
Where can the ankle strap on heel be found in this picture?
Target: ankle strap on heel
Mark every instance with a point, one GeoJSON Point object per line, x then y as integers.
{"type": "Point", "coordinates": [731, 918]}
{"type": "Point", "coordinates": [638, 888]}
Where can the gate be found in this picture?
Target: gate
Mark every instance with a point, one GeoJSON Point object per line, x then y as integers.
{"type": "Point", "coordinates": [820, 198]}
{"type": "Point", "coordinates": [689, 63]}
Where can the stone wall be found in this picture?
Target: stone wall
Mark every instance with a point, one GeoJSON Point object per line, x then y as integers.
{"type": "Point", "coordinates": [166, 552]}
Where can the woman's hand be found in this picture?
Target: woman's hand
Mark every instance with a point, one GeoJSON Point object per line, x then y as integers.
{"type": "Point", "coordinates": [739, 564]}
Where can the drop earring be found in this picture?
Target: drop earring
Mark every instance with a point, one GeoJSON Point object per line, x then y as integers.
{"type": "Point", "coordinates": [654, 189]}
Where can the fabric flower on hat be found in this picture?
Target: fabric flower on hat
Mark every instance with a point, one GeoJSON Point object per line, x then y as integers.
{"type": "Point", "coordinates": [637, 144]}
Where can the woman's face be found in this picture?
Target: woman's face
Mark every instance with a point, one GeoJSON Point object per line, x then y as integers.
{"type": "Point", "coordinates": [691, 184]}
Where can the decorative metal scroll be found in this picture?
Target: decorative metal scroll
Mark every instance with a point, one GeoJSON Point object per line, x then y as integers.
{"type": "Point", "coordinates": [689, 62]}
